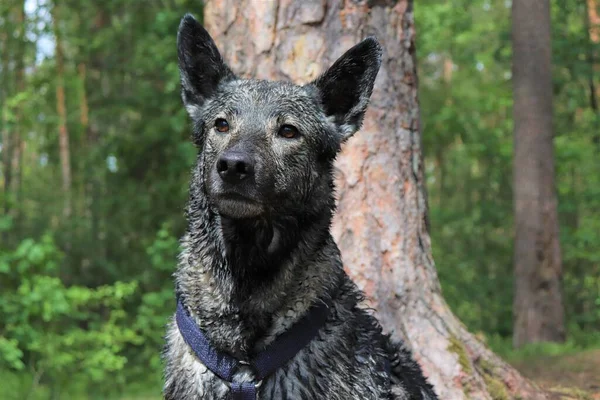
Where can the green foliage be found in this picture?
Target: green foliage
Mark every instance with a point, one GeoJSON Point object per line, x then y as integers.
{"type": "Point", "coordinates": [576, 343]}
{"type": "Point", "coordinates": [154, 307]}
{"type": "Point", "coordinates": [85, 299]}
{"type": "Point", "coordinates": [464, 60]}
{"type": "Point", "coordinates": [55, 330]}
{"type": "Point", "coordinates": [464, 66]}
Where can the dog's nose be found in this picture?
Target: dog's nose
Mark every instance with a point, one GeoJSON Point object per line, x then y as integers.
{"type": "Point", "coordinates": [235, 166]}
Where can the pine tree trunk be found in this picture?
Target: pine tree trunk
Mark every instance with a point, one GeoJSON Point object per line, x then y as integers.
{"type": "Point", "coordinates": [61, 109]}
{"type": "Point", "coordinates": [18, 143]}
{"type": "Point", "coordinates": [592, 23]}
{"type": "Point", "coordinates": [538, 306]}
{"type": "Point", "coordinates": [84, 121]}
{"type": "Point", "coordinates": [84, 111]}
{"type": "Point", "coordinates": [5, 130]}
{"type": "Point", "coordinates": [593, 15]}
{"type": "Point", "coordinates": [95, 78]}
{"type": "Point", "coordinates": [381, 226]}
{"type": "Point", "coordinates": [13, 81]}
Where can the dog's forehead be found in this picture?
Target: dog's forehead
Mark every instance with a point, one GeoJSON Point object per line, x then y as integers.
{"type": "Point", "coordinates": [272, 97]}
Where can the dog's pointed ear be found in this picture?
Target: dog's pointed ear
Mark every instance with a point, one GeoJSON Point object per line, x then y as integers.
{"type": "Point", "coordinates": [201, 66]}
{"type": "Point", "coordinates": [346, 87]}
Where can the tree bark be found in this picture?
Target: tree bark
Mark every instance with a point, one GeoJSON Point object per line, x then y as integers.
{"type": "Point", "coordinates": [538, 306]}
{"type": "Point", "coordinates": [592, 23]}
{"type": "Point", "coordinates": [593, 15]}
{"type": "Point", "coordinates": [84, 110]}
{"type": "Point", "coordinates": [381, 225]}
{"type": "Point", "coordinates": [61, 109]}
{"type": "Point", "coordinates": [12, 138]}
{"type": "Point", "coordinates": [18, 143]}
{"type": "Point", "coordinates": [6, 136]}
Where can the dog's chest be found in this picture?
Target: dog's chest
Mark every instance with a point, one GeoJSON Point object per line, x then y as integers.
{"type": "Point", "coordinates": [311, 374]}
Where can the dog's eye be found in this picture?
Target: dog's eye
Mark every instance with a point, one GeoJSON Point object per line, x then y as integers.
{"type": "Point", "coordinates": [222, 125]}
{"type": "Point", "coordinates": [288, 132]}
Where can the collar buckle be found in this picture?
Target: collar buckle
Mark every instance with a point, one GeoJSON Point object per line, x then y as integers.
{"type": "Point", "coordinates": [256, 384]}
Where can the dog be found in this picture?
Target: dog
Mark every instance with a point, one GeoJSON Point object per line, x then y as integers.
{"type": "Point", "coordinates": [265, 309]}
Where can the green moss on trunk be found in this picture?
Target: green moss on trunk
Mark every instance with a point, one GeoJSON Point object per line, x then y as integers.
{"type": "Point", "coordinates": [458, 348]}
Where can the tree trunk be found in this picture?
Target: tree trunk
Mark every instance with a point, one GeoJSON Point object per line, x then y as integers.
{"type": "Point", "coordinates": [12, 142]}
{"type": "Point", "coordinates": [594, 20]}
{"type": "Point", "coordinates": [6, 136]}
{"type": "Point", "coordinates": [61, 109]}
{"type": "Point", "coordinates": [89, 142]}
{"type": "Point", "coordinates": [592, 23]}
{"type": "Point", "coordinates": [538, 307]}
{"type": "Point", "coordinates": [381, 225]}
{"type": "Point", "coordinates": [84, 110]}
{"type": "Point", "coordinates": [18, 143]}
{"type": "Point", "coordinates": [95, 77]}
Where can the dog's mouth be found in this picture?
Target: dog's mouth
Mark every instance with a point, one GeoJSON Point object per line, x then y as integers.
{"type": "Point", "coordinates": [236, 205]}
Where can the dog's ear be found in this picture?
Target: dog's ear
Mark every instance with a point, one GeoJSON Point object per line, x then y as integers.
{"type": "Point", "coordinates": [200, 64]}
{"type": "Point", "coordinates": [346, 86]}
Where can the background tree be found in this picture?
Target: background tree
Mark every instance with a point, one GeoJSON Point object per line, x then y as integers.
{"type": "Point", "coordinates": [538, 307]}
{"type": "Point", "coordinates": [13, 70]}
{"type": "Point", "coordinates": [61, 110]}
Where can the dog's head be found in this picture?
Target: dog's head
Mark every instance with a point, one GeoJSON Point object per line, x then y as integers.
{"type": "Point", "coordinates": [268, 147]}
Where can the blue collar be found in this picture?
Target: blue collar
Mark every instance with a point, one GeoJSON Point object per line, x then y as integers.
{"type": "Point", "coordinates": [277, 354]}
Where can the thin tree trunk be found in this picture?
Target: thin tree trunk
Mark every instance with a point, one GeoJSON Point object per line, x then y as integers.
{"type": "Point", "coordinates": [90, 141]}
{"type": "Point", "coordinates": [18, 143]}
{"type": "Point", "coordinates": [16, 161]}
{"type": "Point", "coordinates": [84, 121]}
{"type": "Point", "coordinates": [84, 110]}
{"type": "Point", "coordinates": [11, 131]}
{"type": "Point", "coordinates": [594, 20]}
{"type": "Point", "coordinates": [448, 71]}
{"type": "Point", "coordinates": [381, 226]}
{"type": "Point", "coordinates": [538, 306]}
{"type": "Point", "coordinates": [65, 157]}
{"type": "Point", "coordinates": [6, 136]}
{"type": "Point", "coordinates": [592, 23]}
{"type": "Point", "coordinates": [95, 181]}
{"type": "Point", "coordinates": [88, 169]}
{"type": "Point", "coordinates": [439, 160]}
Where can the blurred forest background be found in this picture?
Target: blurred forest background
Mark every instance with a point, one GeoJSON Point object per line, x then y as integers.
{"type": "Point", "coordinates": [96, 157]}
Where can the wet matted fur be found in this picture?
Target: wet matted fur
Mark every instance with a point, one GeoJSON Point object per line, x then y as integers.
{"type": "Point", "coordinates": [258, 252]}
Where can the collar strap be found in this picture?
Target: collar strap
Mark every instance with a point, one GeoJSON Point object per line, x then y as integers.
{"type": "Point", "coordinates": [277, 354]}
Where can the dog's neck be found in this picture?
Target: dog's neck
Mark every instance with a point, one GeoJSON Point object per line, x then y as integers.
{"type": "Point", "coordinates": [255, 251]}
{"type": "Point", "coordinates": [246, 280]}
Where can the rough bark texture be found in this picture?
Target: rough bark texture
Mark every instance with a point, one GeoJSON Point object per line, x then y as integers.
{"type": "Point", "coordinates": [381, 227]}
{"type": "Point", "coordinates": [63, 133]}
{"type": "Point", "coordinates": [538, 306]}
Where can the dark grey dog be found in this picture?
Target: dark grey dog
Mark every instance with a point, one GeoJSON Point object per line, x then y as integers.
{"type": "Point", "coordinates": [265, 309]}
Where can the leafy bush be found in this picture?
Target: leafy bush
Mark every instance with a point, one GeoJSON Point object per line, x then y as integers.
{"type": "Point", "coordinates": [56, 331]}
